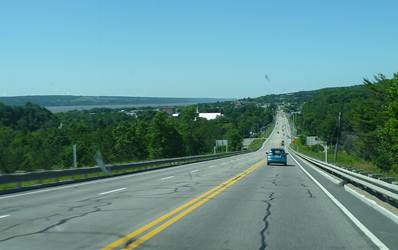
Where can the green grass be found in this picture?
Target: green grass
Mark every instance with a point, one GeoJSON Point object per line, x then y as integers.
{"type": "Point", "coordinates": [258, 142]}
{"type": "Point", "coordinates": [345, 160]}
{"type": "Point", "coordinates": [268, 130]}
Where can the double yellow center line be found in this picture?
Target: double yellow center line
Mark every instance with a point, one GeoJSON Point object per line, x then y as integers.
{"type": "Point", "coordinates": [129, 240]}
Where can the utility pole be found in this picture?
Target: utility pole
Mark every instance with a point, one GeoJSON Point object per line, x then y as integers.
{"type": "Point", "coordinates": [326, 153]}
{"type": "Point", "coordinates": [74, 156]}
{"type": "Point", "coordinates": [337, 137]}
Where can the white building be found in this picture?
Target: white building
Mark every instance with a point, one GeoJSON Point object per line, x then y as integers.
{"type": "Point", "coordinates": [209, 116]}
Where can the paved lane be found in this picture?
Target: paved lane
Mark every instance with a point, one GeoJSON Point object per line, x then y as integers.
{"type": "Point", "coordinates": [255, 207]}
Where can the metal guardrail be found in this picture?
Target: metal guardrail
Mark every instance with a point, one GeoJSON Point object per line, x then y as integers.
{"type": "Point", "coordinates": [86, 173]}
{"type": "Point", "coordinates": [388, 190]}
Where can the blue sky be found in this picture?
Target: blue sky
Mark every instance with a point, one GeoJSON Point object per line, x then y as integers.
{"type": "Point", "coordinates": [193, 48]}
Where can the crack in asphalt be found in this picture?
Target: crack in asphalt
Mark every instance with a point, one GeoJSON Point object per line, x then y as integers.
{"type": "Point", "coordinates": [10, 227]}
{"type": "Point", "coordinates": [265, 220]}
{"type": "Point", "coordinates": [308, 190]}
{"type": "Point", "coordinates": [274, 180]}
{"type": "Point", "coordinates": [47, 218]}
{"type": "Point", "coordinates": [95, 209]}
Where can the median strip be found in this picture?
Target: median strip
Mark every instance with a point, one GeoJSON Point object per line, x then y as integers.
{"type": "Point", "coordinates": [178, 213]}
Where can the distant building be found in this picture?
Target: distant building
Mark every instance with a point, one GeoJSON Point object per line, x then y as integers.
{"type": "Point", "coordinates": [168, 110]}
{"type": "Point", "coordinates": [210, 116]}
{"type": "Point", "coordinates": [129, 113]}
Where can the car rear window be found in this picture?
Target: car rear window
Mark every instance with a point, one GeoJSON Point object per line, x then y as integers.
{"type": "Point", "coordinates": [277, 151]}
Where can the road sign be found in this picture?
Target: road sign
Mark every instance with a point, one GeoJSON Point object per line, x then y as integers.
{"type": "Point", "coordinates": [220, 143]}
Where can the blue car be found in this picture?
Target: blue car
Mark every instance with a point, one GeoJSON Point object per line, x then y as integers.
{"type": "Point", "coordinates": [277, 156]}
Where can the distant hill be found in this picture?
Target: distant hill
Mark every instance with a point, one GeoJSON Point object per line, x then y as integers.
{"type": "Point", "coordinates": [69, 100]}
{"type": "Point", "coordinates": [299, 98]}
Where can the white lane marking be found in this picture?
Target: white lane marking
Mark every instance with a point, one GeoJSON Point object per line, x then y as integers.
{"type": "Point", "coordinates": [212, 166]}
{"type": "Point", "coordinates": [132, 175]}
{"type": "Point", "coordinates": [194, 171]}
{"type": "Point", "coordinates": [112, 191]}
{"type": "Point", "coordinates": [4, 216]}
{"type": "Point", "coordinates": [166, 178]}
{"type": "Point", "coordinates": [372, 203]}
{"type": "Point", "coordinates": [333, 179]}
{"type": "Point", "coordinates": [361, 226]}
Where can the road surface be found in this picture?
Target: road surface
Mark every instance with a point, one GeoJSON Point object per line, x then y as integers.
{"type": "Point", "coordinates": [231, 203]}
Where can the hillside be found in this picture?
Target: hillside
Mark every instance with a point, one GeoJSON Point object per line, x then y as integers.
{"type": "Point", "coordinates": [69, 100]}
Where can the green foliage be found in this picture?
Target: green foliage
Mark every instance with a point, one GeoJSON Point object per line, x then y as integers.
{"type": "Point", "coordinates": [256, 144]}
{"type": "Point", "coordinates": [30, 117]}
{"type": "Point", "coordinates": [163, 138]}
{"type": "Point", "coordinates": [234, 139]}
{"type": "Point", "coordinates": [369, 120]}
{"type": "Point", "coordinates": [33, 138]}
{"type": "Point", "coordinates": [130, 141]}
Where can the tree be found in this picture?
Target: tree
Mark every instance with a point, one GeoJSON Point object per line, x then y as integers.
{"type": "Point", "coordinates": [234, 140]}
{"type": "Point", "coordinates": [387, 131]}
{"type": "Point", "coordinates": [164, 139]}
{"type": "Point", "coordinates": [8, 158]}
{"type": "Point", "coordinates": [130, 141]}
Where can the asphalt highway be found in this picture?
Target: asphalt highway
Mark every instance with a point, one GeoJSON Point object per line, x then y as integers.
{"type": "Point", "coordinates": [231, 203]}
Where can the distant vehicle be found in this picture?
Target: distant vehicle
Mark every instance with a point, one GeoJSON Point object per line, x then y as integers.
{"type": "Point", "coordinates": [283, 143]}
{"type": "Point", "coordinates": [277, 156]}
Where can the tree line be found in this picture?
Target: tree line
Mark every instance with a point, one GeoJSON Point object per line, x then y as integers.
{"type": "Point", "coordinates": [33, 138]}
{"type": "Point", "coordinates": [368, 127]}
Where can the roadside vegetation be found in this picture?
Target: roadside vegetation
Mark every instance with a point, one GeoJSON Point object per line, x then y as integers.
{"type": "Point", "coordinates": [258, 142]}
{"type": "Point", "coordinates": [367, 131]}
{"type": "Point", "coordinates": [33, 138]}
{"type": "Point", "coordinates": [345, 160]}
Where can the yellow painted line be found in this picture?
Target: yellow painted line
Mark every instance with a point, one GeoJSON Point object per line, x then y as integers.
{"type": "Point", "coordinates": [191, 205]}
{"type": "Point", "coordinates": [173, 220]}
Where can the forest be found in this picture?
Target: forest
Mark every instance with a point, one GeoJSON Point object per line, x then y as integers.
{"type": "Point", "coordinates": [32, 138]}
{"type": "Point", "coordinates": [368, 124]}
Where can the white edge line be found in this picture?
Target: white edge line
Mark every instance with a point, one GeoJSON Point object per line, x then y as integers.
{"type": "Point", "coordinates": [361, 226]}
{"type": "Point", "coordinates": [325, 174]}
{"type": "Point", "coordinates": [4, 216]}
{"type": "Point", "coordinates": [212, 166]}
{"type": "Point", "coordinates": [112, 191]}
{"type": "Point", "coordinates": [166, 178]}
{"type": "Point", "coordinates": [194, 171]}
{"type": "Point", "coordinates": [372, 203]}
